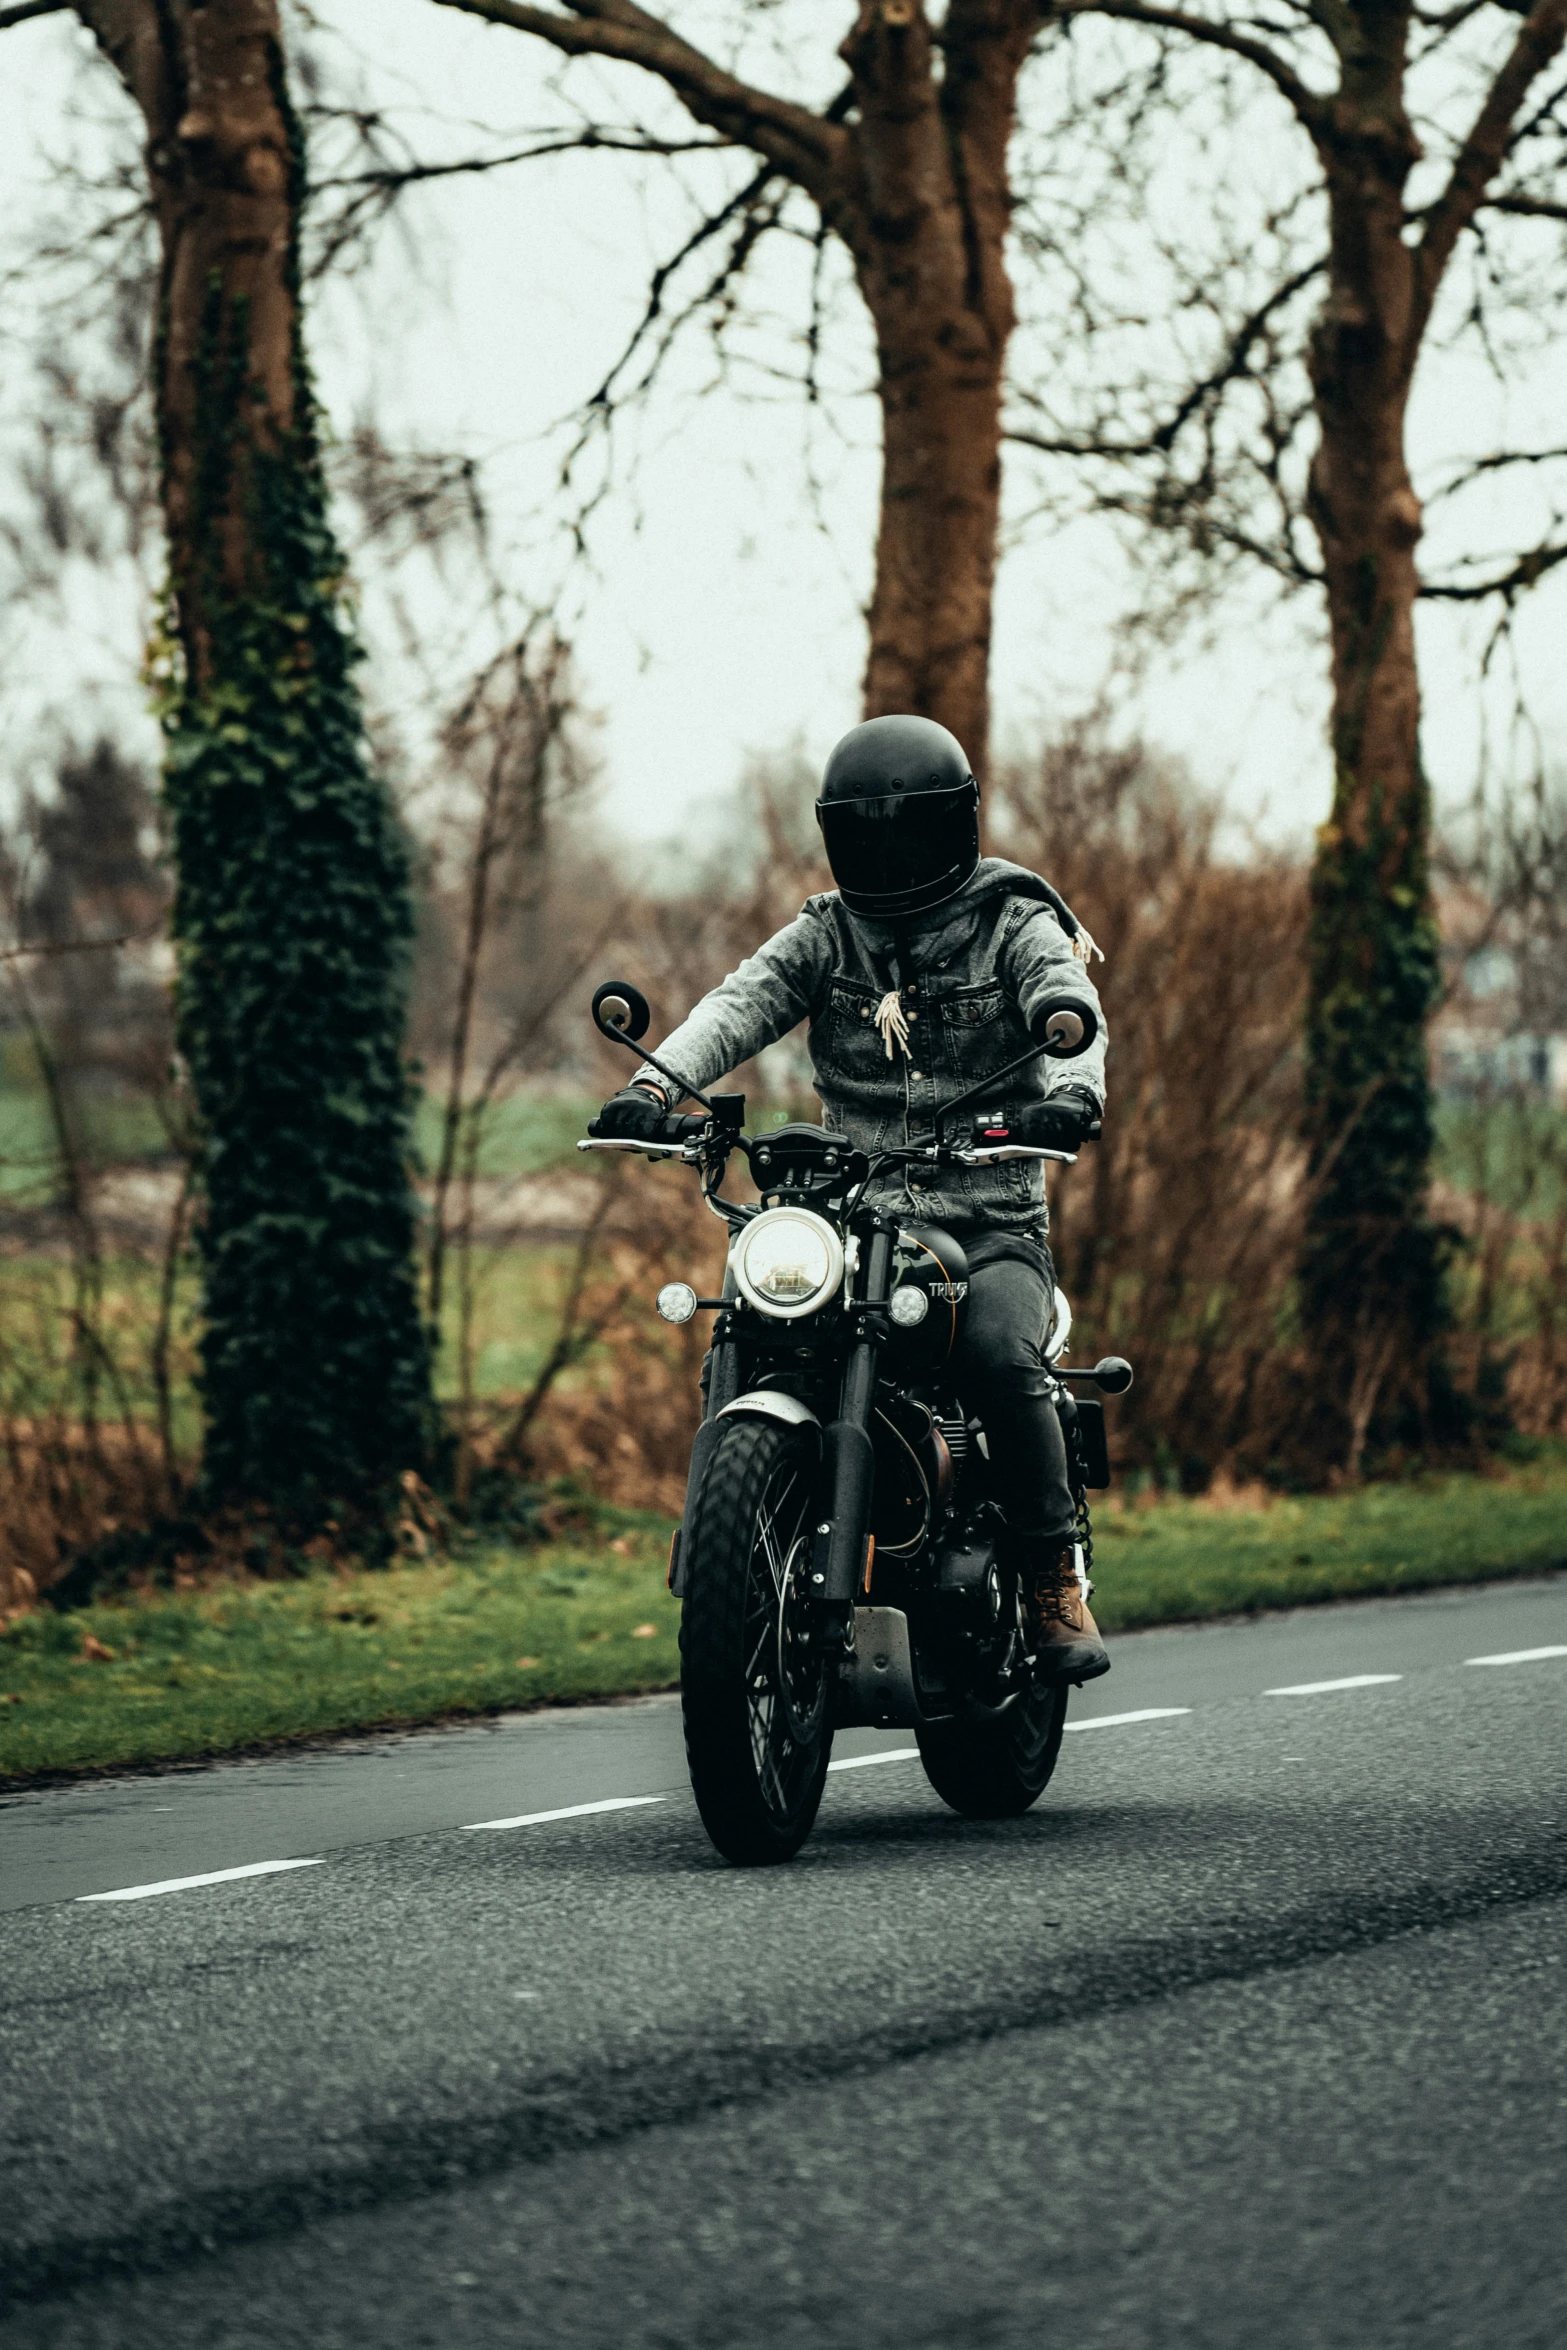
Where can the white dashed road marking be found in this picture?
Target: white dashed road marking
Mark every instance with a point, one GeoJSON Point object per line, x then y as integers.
{"type": "Point", "coordinates": [1517, 1656]}
{"type": "Point", "coordinates": [1317, 1688]}
{"type": "Point", "coordinates": [257, 1868]}
{"type": "Point", "coordinates": [1147, 1713]}
{"type": "Point", "coordinates": [848, 1762]}
{"type": "Point", "coordinates": [569, 1811]}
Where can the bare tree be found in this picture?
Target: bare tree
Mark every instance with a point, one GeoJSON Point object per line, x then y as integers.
{"type": "Point", "coordinates": [1427, 143]}
{"type": "Point", "coordinates": [907, 169]}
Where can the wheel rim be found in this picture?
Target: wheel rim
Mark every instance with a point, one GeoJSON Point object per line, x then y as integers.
{"type": "Point", "coordinates": [785, 1679]}
{"type": "Point", "coordinates": [1034, 1723]}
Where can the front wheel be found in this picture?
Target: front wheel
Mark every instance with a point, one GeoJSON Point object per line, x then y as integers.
{"type": "Point", "coordinates": [754, 1690]}
{"type": "Point", "coordinates": [995, 1770]}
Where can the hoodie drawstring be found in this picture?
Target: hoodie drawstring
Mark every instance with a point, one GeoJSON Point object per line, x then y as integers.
{"type": "Point", "coordinates": [892, 1021]}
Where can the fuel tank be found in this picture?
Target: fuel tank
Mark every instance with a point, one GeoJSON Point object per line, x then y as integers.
{"type": "Point", "coordinates": [928, 1259]}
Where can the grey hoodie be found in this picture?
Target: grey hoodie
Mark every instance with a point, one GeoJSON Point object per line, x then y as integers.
{"type": "Point", "coordinates": [969, 975]}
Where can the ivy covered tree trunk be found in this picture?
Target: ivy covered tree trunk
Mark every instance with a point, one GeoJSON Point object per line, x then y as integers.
{"type": "Point", "coordinates": [1372, 1290]}
{"type": "Point", "coordinates": [293, 915]}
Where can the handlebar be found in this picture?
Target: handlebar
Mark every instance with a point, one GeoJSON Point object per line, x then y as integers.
{"type": "Point", "coordinates": [1065, 1026]}
{"type": "Point", "coordinates": [691, 1152]}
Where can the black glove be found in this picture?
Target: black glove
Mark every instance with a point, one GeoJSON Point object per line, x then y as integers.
{"type": "Point", "coordinates": [636, 1114]}
{"type": "Point", "coordinates": [1069, 1118]}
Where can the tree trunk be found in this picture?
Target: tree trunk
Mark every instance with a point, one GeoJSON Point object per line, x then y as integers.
{"type": "Point", "coordinates": [1372, 1293]}
{"type": "Point", "coordinates": [930, 611]}
{"type": "Point", "coordinates": [925, 218]}
{"type": "Point", "coordinates": [293, 911]}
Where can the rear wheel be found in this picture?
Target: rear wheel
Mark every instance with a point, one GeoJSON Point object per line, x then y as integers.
{"type": "Point", "coordinates": [995, 1770]}
{"type": "Point", "coordinates": [754, 1692]}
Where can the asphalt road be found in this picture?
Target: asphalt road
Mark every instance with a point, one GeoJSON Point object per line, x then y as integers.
{"type": "Point", "coordinates": [1252, 2033]}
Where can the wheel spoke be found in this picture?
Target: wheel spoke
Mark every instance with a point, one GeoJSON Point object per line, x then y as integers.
{"type": "Point", "coordinates": [763, 1642]}
{"type": "Point", "coordinates": [776, 1752]}
{"type": "Point", "coordinates": [769, 1545]}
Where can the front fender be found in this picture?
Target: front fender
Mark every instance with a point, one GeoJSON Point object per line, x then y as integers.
{"type": "Point", "coordinates": [758, 1403]}
{"type": "Point", "coordinates": [772, 1403]}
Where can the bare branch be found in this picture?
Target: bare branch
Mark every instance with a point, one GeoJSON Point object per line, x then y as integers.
{"type": "Point", "coordinates": [371, 194]}
{"type": "Point", "coordinates": [1162, 439]}
{"type": "Point", "coordinates": [1312, 111]}
{"type": "Point", "coordinates": [1528, 207]}
{"type": "Point", "coordinates": [1498, 462]}
{"type": "Point", "coordinates": [562, 143]}
{"type": "Point", "coordinates": [1481, 156]}
{"type": "Point", "coordinates": [803, 145]}
{"type": "Point", "coordinates": [751, 213]}
{"type": "Point", "coordinates": [79, 946]}
{"type": "Point", "coordinates": [1509, 585]}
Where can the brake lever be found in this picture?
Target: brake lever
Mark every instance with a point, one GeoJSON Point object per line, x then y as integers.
{"type": "Point", "coordinates": [1013, 1150]}
{"type": "Point", "coordinates": [688, 1151]}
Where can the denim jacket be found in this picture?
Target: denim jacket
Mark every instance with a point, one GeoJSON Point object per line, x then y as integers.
{"type": "Point", "coordinates": [969, 976]}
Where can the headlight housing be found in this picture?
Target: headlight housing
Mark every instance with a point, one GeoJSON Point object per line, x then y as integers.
{"type": "Point", "coordinates": [787, 1262]}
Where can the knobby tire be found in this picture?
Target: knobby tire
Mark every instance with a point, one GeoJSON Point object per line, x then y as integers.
{"type": "Point", "coordinates": [757, 1784]}
{"type": "Point", "coordinates": [996, 1770]}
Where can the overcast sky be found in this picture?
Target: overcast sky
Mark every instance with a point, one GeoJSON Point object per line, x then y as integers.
{"type": "Point", "coordinates": [722, 613]}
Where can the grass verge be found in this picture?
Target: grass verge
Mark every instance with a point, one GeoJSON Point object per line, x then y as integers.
{"type": "Point", "coordinates": [173, 1676]}
{"type": "Point", "coordinates": [1178, 1561]}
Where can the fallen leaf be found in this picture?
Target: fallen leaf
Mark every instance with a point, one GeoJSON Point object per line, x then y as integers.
{"type": "Point", "coordinates": [622, 1546]}
{"type": "Point", "coordinates": [10, 1697]}
{"type": "Point", "coordinates": [525, 1664]}
{"type": "Point", "coordinates": [645, 1632]}
{"type": "Point", "coordinates": [96, 1650]}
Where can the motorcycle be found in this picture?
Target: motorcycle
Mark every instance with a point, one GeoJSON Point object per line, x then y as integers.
{"type": "Point", "coordinates": [842, 1559]}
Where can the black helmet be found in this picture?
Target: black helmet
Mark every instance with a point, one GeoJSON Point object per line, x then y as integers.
{"type": "Point", "coordinates": [899, 814]}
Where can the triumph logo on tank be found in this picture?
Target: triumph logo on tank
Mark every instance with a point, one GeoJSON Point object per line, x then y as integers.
{"type": "Point", "coordinates": [952, 1292]}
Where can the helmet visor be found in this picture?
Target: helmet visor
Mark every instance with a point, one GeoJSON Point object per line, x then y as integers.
{"type": "Point", "coordinates": [887, 847]}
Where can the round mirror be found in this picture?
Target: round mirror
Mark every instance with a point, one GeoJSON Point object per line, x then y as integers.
{"type": "Point", "coordinates": [621, 1010]}
{"type": "Point", "coordinates": [1069, 1027]}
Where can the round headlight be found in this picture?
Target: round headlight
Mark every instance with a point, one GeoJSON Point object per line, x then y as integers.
{"type": "Point", "coordinates": [908, 1306]}
{"type": "Point", "coordinates": [788, 1262]}
{"type": "Point", "coordinates": [676, 1301]}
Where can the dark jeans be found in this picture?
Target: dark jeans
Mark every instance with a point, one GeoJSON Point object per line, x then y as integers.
{"type": "Point", "coordinates": [1000, 1372]}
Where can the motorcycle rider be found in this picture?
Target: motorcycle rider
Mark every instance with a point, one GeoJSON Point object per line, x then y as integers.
{"type": "Point", "coordinates": [922, 972]}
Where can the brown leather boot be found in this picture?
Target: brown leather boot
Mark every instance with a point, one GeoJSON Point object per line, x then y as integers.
{"type": "Point", "coordinates": [1065, 1638]}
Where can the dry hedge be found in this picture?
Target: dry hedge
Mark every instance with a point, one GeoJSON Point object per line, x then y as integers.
{"type": "Point", "coordinates": [1175, 1236]}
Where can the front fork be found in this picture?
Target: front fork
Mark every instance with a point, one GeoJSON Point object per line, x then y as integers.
{"type": "Point", "coordinates": [846, 1487]}
{"type": "Point", "coordinates": [720, 1387]}
{"type": "Point", "coordinates": [847, 1490]}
